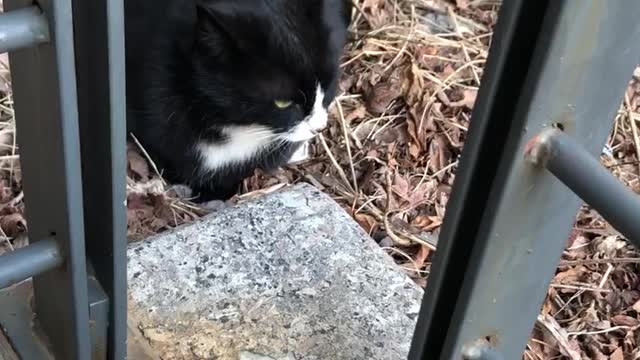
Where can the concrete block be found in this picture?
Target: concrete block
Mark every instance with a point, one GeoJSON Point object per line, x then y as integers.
{"type": "Point", "coordinates": [286, 276]}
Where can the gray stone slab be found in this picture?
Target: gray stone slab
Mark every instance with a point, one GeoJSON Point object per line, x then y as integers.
{"type": "Point", "coordinates": [288, 276]}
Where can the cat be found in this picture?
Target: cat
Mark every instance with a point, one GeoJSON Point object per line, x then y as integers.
{"type": "Point", "coordinates": [219, 88]}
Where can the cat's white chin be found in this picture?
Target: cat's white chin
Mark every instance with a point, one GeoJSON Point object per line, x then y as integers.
{"type": "Point", "coordinates": [300, 133]}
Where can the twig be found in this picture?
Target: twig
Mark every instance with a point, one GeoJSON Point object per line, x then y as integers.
{"type": "Point", "coordinates": [406, 256]}
{"type": "Point", "coordinates": [600, 261]}
{"type": "Point", "coordinates": [6, 239]}
{"type": "Point", "coordinates": [634, 128]}
{"type": "Point", "coordinates": [406, 43]}
{"type": "Point", "coordinates": [605, 277]}
{"type": "Point", "coordinates": [335, 163]}
{"type": "Point", "coordinates": [552, 327]}
{"type": "Point", "coordinates": [580, 288]}
{"type": "Point", "coordinates": [146, 155]}
{"type": "Point", "coordinates": [452, 15]}
{"type": "Point", "coordinates": [348, 145]}
{"type": "Point", "coordinates": [604, 331]}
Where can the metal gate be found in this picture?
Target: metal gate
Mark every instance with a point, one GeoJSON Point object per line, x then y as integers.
{"type": "Point", "coordinates": [552, 85]}
{"type": "Point", "coordinates": [67, 67]}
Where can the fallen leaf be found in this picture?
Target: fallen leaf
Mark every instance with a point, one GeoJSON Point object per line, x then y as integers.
{"type": "Point", "coordinates": [468, 100]}
{"type": "Point", "coordinates": [137, 165]}
{"type": "Point", "coordinates": [367, 222]}
{"type": "Point", "coordinates": [422, 221]}
{"type": "Point", "coordinates": [571, 275]}
{"type": "Point", "coordinates": [567, 347]}
{"type": "Point", "coordinates": [13, 224]}
{"type": "Point", "coordinates": [462, 4]}
{"type": "Point", "coordinates": [358, 113]}
{"type": "Point", "coordinates": [421, 256]}
{"type": "Point", "coordinates": [617, 355]}
{"type": "Point", "coordinates": [609, 245]}
{"type": "Point", "coordinates": [401, 187]}
{"type": "Point", "coordinates": [413, 85]}
{"type": "Point", "coordinates": [414, 151]}
{"type": "Point", "coordinates": [624, 320]}
{"type": "Point", "coordinates": [439, 155]}
{"type": "Point", "coordinates": [381, 96]}
{"type": "Point", "coordinates": [596, 354]}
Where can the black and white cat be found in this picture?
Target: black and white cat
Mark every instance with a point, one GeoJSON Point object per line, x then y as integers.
{"type": "Point", "coordinates": [218, 88]}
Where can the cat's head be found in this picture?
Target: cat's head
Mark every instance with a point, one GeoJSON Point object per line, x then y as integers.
{"type": "Point", "coordinates": [271, 65]}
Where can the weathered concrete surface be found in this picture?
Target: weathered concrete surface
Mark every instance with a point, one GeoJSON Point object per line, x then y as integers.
{"type": "Point", "coordinates": [289, 276]}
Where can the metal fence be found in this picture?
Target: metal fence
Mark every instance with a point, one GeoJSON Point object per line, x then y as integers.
{"type": "Point", "coordinates": [67, 68]}
{"type": "Point", "coordinates": [551, 88]}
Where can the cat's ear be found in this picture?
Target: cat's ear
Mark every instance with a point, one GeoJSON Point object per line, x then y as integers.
{"type": "Point", "coordinates": [219, 23]}
{"type": "Point", "coordinates": [206, 18]}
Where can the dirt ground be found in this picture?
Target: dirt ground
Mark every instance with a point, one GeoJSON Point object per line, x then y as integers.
{"type": "Point", "coordinates": [411, 75]}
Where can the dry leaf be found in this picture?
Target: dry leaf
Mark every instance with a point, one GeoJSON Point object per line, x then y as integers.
{"type": "Point", "coordinates": [439, 154]}
{"type": "Point", "coordinates": [624, 320]}
{"type": "Point", "coordinates": [617, 355]}
{"type": "Point", "coordinates": [421, 221]}
{"type": "Point", "coordinates": [367, 222]}
{"type": "Point", "coordinates": [567, 347]}
{"type": "Point", "coordinates": [358, 113]}
{"type": "Point", "coordinates": [468, 99]}
{"type": "Point", "coordinates": [137, 165]}
{"type": "Point", "coordinates": [13, 224]}
{"type": "Point", "coordinates": [401, 187]}
{"type": "Point", "coordinates": [381, 96]}
{"type": "Point", "coordinates": [413, 85]}
{"type": "Point", "coordinates": [462, 4]}
{"type": "Point", "coordinates": [571, 275]}
{"type": "Point", "coordinates": [421, 256]}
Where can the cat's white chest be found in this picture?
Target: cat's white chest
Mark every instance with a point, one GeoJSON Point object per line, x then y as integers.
{"type": "Point", "coordinates": [242, 144]}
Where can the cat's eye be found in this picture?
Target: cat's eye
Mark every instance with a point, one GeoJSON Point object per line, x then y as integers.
{"type": "Point", "coordinates": [283, 104]}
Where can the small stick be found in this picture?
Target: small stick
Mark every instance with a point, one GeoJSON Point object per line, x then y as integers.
{"type": "Point", "coordinates": [335, 162]}
{"type": "Point", "coordinates": [634, 128]}
{"type": "Point", "coordinates": [600, 261]}
{"type": "Point", "coordinates": [348, 144]}
{"type": "Point", "coordinates": [146, 155]}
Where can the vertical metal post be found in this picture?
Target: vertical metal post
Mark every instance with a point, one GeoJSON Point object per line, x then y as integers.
{"type": "Point", "coordinates": [100, 62]}
{"type": "Point", "coordinates": [564, 62]}
{"type": "Point", "coordinates": [44, 88]}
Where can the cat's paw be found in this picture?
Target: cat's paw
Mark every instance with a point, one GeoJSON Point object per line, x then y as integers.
{"type": "Point", "coordinates": [181, 191]}
{"type": "Point", "coordinates": [302, 154]}
{"type": "Point", "coordinates": [214, 205]}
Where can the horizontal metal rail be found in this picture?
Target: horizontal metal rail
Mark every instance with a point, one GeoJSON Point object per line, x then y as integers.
{"type": "Point", "coordinates": [22, 28]}
{"type": "Point", "coordinates": [35, 259]}
{"type": "Point", "coordinates": [585, 176]}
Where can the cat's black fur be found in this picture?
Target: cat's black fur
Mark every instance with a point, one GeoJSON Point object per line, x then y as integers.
{"type": "Point", "coordinates": [196, 66]}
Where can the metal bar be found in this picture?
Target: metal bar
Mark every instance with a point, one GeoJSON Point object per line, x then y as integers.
{"type": "Point", "coordinates": [44, 89]}
{"type": "Point", "coordinates": [22, 28]}
{"type": "Point", "coordinates": [584, 175]}
{"type": "Point", "coordinates": [29, 261]}
{"type": "Point", "coordinates": [507, 222]}
{"type": "Point", "coordinates": [100, 64]}
{"type": "Point", "coordinates": [99, 316]}
{"type": "Point", "coordinates": [19, 324]}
